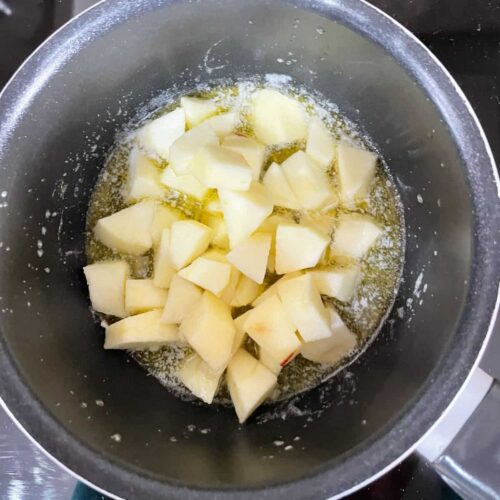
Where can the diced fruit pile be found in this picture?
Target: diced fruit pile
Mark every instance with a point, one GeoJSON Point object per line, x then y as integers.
{"type": "Point", "coordinates": [270, 242]}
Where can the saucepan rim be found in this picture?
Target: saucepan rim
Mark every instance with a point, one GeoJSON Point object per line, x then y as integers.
{"type": "Point", "coordinates": [364, 463]}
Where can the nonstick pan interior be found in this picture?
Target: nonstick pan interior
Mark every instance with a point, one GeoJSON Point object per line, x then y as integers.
{"type": "Point", "coordinates": [100, 413]}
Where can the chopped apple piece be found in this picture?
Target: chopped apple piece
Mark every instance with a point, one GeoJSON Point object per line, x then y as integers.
{"type": "Point", "coordinates": [129, 230]}
{"type": "Point", "coordinates": [246, 292]}
{"type": "Point", "coordinates": [298, 247]}
{"type": "Point", "coordinates": [215, 221]}
{"type": "Point", "coordinates": [244, 211]}
{"type": "Point", "coordinates": [199, 378]}
{"type": "Point", "coordinates": [163, 269]}
{"type": "Point", "coordinates": [181, 299]}
{"type": "Point", "coordinates": [106, 281]}
{"type": "Point", "coordinates": [208, 274]}
{"type": "Point", "coordinates": [228, 292]}
{"type": "Point", "coordinates": [213, 206]}
{"type": "Point", "coordinates": [277, 185]}
{"type": "Point", "coordinates": [273, 289]}
{"type": "Point", "coordinates": [271, 327]}
{"type": "Point", "coordinates": [143, 178]}
{"type": "Point", "coordinates": [270, 225]}
{"type": "Point", "coordinates": [249, 383]}
{"type": "Point", "coordinates": [252, 150]}
{"type": "Point", "coordinates": [250, 256]}
{"type": "Point", "coordinates": [140, 332]}
{"type": "Point", "coordinates": [356, 169]}
{"type": "Point", "coordinates": [320, 143]}
{"type": "Point", "coordinates": [164, 217]}
{"type": "Point", "coordinates": [240, 335]}
{"type": "Point", "coordinates": [338, 282]}
{"type": "Point", "coordinates": [302, 302]}
{"type": "Point", "coordinates": [216, 254]}
{"type": "Point", "coordinates": [223, 124]}
{"type": "Point", "coordinates": [157, 136]}
{"type": "Point", "coordinates": [324, 224]}
{"type": "Point", "coordinates": [269, 360]}
{"type": "Point", "coordinates": [142, 295]}
{"type": "Point", "coordinates": [219, 256]}
{"type": "Point", "coordinates": [355, 235]}
{"type": "Point", "coordinates": [309, 183]}
{"type": "Point", "coordinates": [334, 348]}
{"type": "Point", "coordinates": [170, 332]}
{"type": "Point", "coordinates": [184, 149]}
{"type": "Point", "coordinates": [271, 363]}
{"type": "Point", "coordinates": [239, 322]}
{"type": "Point", "coordinates": [220, 168]}
{"type": "Point", "coordinates": [188, 240]}
{"type": "Point", "coordinates": [278, 118]}
{"type": "Point", "coordinates": [197, 110]}
{"type": "Point", "coordinates": [210, 331]}
{"type": "Point", "coordinates": [187, 184]}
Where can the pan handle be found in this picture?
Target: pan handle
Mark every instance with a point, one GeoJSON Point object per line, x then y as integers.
{"type": "Point", "coordinates": [464, 447]}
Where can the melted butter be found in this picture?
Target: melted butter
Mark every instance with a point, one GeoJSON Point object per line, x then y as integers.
{"type": "Point", "coordinates": [381, 268]}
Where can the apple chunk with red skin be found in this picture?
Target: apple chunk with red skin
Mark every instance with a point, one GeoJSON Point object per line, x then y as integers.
{"type": "Point", "coordinates": [273, 364]}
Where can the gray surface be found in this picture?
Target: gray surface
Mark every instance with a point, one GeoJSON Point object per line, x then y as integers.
{"type": "Point", "coordinates": [490, 362]}
{"type": "Point", "coordinates": [25, 472]}
{"type": "Point", "coordinates": [472, 462]}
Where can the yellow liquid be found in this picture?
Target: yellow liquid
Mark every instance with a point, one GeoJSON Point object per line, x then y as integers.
{"type": "Point", "coordinates": [381, 268]}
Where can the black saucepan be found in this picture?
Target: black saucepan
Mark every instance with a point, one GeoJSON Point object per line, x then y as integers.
{"type": "Point", "coordinates": [59, 115]}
